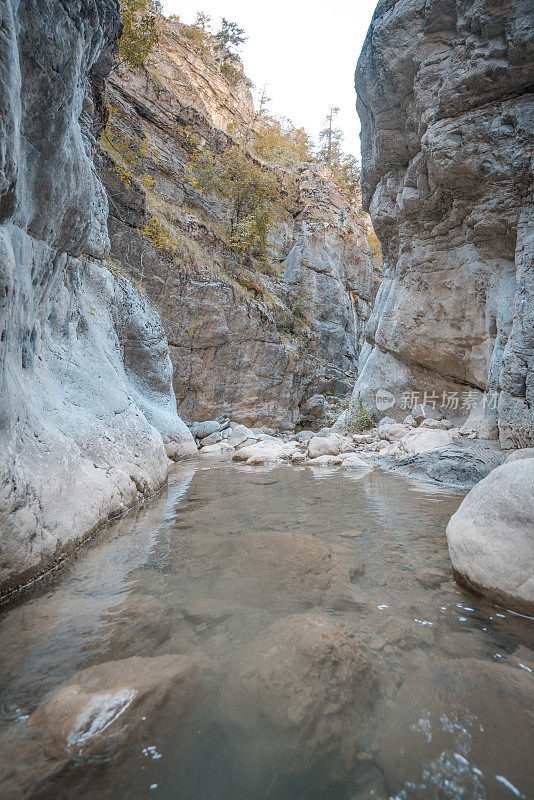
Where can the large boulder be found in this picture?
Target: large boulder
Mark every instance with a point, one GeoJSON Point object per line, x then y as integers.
{"type": "Point", "coordinates": [353, 461]}
{"type": "Point", "coordinates": [201, 430]}
{"type": "Point", "coordinates": [97, 715]}
{"type": "Point", "coordinates": [322, 446]}
{"type": "Point", "coordinates": [303, 690]}
{"type": "Point", "coordinates": [393, 432]}
{"type": "Point", "coordinates": [491, 537]}
{"type": "Point", "coordinates": [330, 445]}
{"type": "Point", "coordinates": [460, 465]}
{"type": "Point", "coordinates": [263, 452]}
{"type": "Point", "coordinates": [518, 455]}
{"type": "Point", "coordinates": [422, 440]}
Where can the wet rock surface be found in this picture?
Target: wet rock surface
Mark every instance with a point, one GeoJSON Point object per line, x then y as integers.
{"type": "Point", "coordinates": [307, 686]}
{"type": "Point", "coordinates": [444, 749]}
{"type": "Point", "coordinates": [460, 465]}
{"type": "Point", "coordinates": [444, 96]}
{"type": "Point", "coordinates": [98, 715]}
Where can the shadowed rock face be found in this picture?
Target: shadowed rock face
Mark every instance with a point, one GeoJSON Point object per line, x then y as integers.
{"type": "Point", "coordinates": [234, 351]}
{"type": "Point", "coordinates": [87, 410]}
{"type": "Point", "coordinates": [444, 95]}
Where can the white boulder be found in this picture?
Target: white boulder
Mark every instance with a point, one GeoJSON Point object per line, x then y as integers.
{"type": "Point", "coordinates": [437, 424]}
{"type": "Point", "coordinates": [491, 536]}
{"type": "Point", "coordinates": [353, 461]}
{"type": "Point", "coordinates": [421, 440]}
{"type": "Point", "coordinates": [393, 432]}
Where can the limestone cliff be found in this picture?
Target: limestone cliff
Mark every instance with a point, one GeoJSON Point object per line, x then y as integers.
{"type": "Point", "coordinates": [87, 409]}
{"type": "Point", "coordinates": [263, 348]}
{"type": "Point", "coordinates": [445, 98]}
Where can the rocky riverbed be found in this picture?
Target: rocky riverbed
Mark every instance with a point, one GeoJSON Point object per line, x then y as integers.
{"type": "Point", "coordinates": [275, 630]}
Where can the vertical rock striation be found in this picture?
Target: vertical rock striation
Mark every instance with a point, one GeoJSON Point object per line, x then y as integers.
{"type": "Point", "coordinates": [87, 411]}
{"type": "Point", "coordinates": [263, 348]}
{"type": "Point", "coordinates": [445, 98]}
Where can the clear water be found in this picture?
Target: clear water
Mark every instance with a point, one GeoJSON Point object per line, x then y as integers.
{"type": "Point", "coordinates": [224, 553]}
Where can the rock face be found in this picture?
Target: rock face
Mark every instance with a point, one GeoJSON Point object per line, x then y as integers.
{"type": "Point", "coordinates": [87, 413]}
{"type": "Point", "coordinates": [443, 95]}
{"type": "Point", "coordinates": [491, 536]}
{"type": "Point", "coordinates": [257, 346]}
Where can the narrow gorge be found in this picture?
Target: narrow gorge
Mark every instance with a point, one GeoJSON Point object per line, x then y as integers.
{"type": "Point", "coordinates": [254, 341]}
{"type": "Point", "coordinates": [266, 423]}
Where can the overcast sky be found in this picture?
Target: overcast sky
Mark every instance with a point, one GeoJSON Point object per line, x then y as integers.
{"type": "Point", "coordinates": [304, 50]}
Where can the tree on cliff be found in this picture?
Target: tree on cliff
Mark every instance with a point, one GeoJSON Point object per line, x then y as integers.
{"type": "Point", "coordinates": [230, 36]}
{"type": "Point", "coordinates": [140, 32]}
{"type": "Point", "coordinates": [344, 167]}
{"type": "Point", "coordinates": [330, 139]}
{"type": "Point", "coordinates": [277, 142]}
{"type": "Point", "coordinates": [203, 21]}
{"type": "Point", "coordinates": [254, 195]}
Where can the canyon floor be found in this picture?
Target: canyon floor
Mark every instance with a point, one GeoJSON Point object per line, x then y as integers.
{"type": "Point", "coordinates": [265, 632]}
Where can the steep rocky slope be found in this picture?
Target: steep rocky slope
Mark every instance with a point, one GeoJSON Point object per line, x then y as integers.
{"type": "Point", "coordinates": [87, 408]}
{"type": "Point", "coordinates": [445, 98]}
{"type": "Point", "coordinates": [263, 348]}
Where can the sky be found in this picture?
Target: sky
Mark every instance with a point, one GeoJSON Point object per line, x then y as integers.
{"type": "Point", "coordinates": [304, 50]}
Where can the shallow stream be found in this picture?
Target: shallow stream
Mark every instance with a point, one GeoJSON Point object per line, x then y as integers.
{"type": "Point", "coordinates": [208, 566]}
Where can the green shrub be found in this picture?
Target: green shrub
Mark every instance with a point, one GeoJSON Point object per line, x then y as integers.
{"type": "Point", "coordinates": [358, 414]}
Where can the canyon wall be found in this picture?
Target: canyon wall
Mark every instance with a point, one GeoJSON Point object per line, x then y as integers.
{"type": "Point", "coordinates": [445, 99]}
{"type": "Point", "coordinates": [268, 348]}
{"type": "Point", "coordinates": [87, 414]}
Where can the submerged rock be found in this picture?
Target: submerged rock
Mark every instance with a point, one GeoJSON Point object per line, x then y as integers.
{"type": "Point", "coordinates": [449, 750]}
{"type": "Point", "coordinates": [491, 537]}
{"type": "Point", "coordinates": [98, 714]}
{"type": "Point", "coordinates": [304, 687]}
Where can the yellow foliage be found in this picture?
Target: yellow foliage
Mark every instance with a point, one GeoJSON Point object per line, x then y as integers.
{"type": "Point", "coordinates": [374, 244]}
{"type": "Point", "coordinates": [358, 414]}
{"type": "Point", "coordinates": [254, 194]}
{"type": "Point", "coordinates": [139, 32]}
{"type": "Point", "coordinates": [283, 146]}
{"type": "Point", "coordinates": [128, 153]}
{"type": "Point", "coordinates": [155, 231]}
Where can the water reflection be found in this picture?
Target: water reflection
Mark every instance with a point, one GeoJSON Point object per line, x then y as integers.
{"type": "Point", "coordinates": [212, 567]}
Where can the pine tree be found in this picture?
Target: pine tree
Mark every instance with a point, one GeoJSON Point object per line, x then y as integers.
{"type": "Point", "coordinates": [229, 37]}
{"type": "Point", "coordinates": [330, 139]}
{"type": "Point", "coordinates": [203, 21]}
